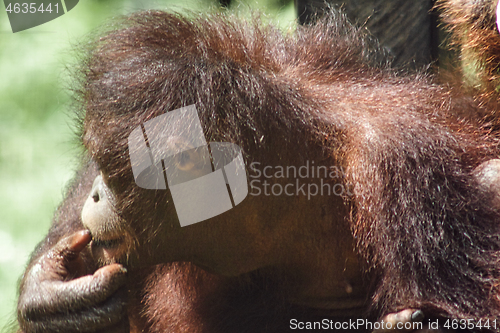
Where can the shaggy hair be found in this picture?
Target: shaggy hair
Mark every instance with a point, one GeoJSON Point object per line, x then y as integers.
{"type": "Point", "coordinates": [408, 146]}
{"type": "Point", "coordinates": [474, 32]}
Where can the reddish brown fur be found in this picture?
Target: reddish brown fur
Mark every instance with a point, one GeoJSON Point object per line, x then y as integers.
{"type": "Point", "coordinates": [475, 33]}
{"type": "Point", "coordinates": [387, 131]}
{"type": "Point", "coordinates": [425, 228]}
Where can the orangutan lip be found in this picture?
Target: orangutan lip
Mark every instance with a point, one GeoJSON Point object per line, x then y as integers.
{"type": "Point", "coordinates": [109, 243]}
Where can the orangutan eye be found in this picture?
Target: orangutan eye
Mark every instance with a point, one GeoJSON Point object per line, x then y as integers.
{"type": "Point", "coordinates": [184, 161]}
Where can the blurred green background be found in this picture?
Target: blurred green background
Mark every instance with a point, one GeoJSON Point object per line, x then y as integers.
{"type": "Point", "coordinates": [38, 148]}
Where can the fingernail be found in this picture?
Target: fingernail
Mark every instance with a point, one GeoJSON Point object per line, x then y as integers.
{"type": "Point", "coordinates": [79, 239]}
{"type": "Point", "coordinates": [84, 232]}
